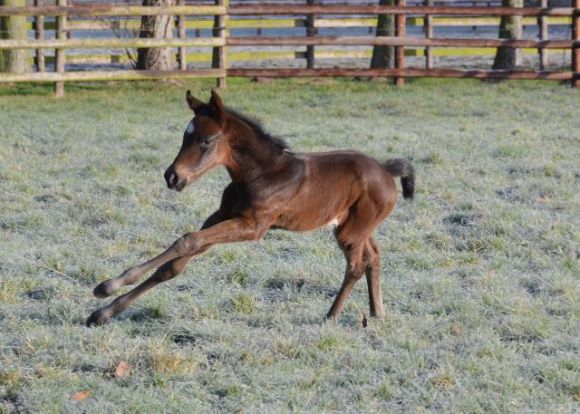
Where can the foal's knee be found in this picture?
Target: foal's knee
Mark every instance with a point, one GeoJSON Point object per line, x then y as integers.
{"type": "Point", "coordinates": [186, 245]}
{"type": "Point", "coordinates": [371, 256]}
{"type": "Point", "coordinates": [356, 271]}
{"type": "Point", "coordinates": [373, 261]}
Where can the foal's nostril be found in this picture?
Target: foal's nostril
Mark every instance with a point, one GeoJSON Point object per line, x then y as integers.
{"type": "Point", "coordinates": [172, 181]}
{"type": "Point", "coordinates": [171, 178]}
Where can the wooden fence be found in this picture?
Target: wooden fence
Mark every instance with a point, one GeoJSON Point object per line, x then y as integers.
{"type": "Point", "coordinates": [221, 17]}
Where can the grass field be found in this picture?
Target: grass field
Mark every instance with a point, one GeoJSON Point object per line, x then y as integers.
{"type": "Point", "coordinates": [480, 274]}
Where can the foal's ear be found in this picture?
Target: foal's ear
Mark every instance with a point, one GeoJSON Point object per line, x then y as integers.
{"type": "Point", "coordinates": [192, 101]}
{"type": "Point", "coordinates": [218, 106]}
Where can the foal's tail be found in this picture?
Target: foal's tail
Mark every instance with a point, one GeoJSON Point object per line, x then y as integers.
{"type": "Point", "coordinates": [399, 167]}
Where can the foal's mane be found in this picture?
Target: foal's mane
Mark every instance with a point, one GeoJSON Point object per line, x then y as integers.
{"type": "Point", "coordinates": [275, 143]}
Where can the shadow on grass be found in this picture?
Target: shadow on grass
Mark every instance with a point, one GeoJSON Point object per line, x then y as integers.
{"type": "Point", "coordinates": [141, 315]}
{"type": "Point", "coordinates": [184, 338]}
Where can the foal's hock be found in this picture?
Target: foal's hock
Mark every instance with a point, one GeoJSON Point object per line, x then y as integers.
{"type": "Point", "coordinates": [272, 187]}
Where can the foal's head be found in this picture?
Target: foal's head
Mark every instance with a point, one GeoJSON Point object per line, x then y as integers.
{"type": "Point", "coordinates": [204, 142]}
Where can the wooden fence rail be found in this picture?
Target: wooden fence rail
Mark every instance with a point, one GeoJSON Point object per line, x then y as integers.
{"type": "Point", "coordinates": [313, 16]}
{"type": "Point", "coordinates": [97, 10]}
{"type": "Point", "coordinates": [104, 10]}
{"type": "Point", "coordinates": [273, 10]}
{"type": "Point", "coordinates": [285, 41]}
{"type": "Point", "coordinates": [273, 22]}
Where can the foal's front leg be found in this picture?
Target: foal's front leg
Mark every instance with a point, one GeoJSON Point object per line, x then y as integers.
{"type": "Point", "coordinates": [166, 272]}
{"type": "Point", "coordinates": [132, 275]}
{"type": "Point", "coordinates": [175, 259]}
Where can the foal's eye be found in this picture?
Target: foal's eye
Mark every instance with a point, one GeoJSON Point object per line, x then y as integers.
{"type": "Point", "coordinates": [205, 142]}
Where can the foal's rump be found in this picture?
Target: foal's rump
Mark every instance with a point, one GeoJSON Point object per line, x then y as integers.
{"type": "Point", "coordinates": [354, 171]}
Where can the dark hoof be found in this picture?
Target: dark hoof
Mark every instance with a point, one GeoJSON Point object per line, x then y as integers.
{"type": "Point", "coordinates": [105, 289]}
{"type": "Point", "coordinates": [98, 318]}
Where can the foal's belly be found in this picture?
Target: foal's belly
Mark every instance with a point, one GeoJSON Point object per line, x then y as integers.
{"type": "Point", "coordinates": [315, 207]}
{"type": "Point", "coordinates": [310, 220]}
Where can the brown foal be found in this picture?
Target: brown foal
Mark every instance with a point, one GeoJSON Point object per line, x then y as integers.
{"type": "Point", "coordinates": [272, 187]}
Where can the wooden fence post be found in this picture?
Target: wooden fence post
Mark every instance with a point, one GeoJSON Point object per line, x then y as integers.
{"type": "Point", "coordinates": [400, 21]}
{"type": "Point", "coordinates": [39, 60]}
{"type": "Point", "coordinates": [576, 49]}
{"type": "Point", "coordinates": [116, 28]}
{"type": "Point", "coordinates": [428, 34]}
{"type": "Point", "coordinates": [310, 32]}
{"type": "Point", "coordinates": [60, 53]}
{"type": "Point", "coordinates": [181, 33]}
{"type": "Point", "coordinates": [219, 53]}
{"type": "Point", "coordinates": [543, 26]}
{"type": "Point", "coordinates": [14, 28]}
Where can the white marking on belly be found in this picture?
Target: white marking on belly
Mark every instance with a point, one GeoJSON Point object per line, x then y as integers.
{"type": "Point", "coordinates": [190, 128]}
{"type": "Point", "coordinates": [333, 222]}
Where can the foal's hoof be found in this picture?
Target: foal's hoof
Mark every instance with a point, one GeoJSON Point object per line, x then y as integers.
{"type": "Point", "coordinates": [98, 317]}
{"type": "Point", "coordinates": [105, 289]}
{"type": "Point", "coordinates": [330, 319]}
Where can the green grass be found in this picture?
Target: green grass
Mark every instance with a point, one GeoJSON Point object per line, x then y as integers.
{"type": "Point", "coordinates": [480, 274]}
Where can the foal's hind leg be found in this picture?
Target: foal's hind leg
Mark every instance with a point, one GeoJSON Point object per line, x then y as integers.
{"type": "Point", "coordinates": [373, 274]}
{"type": "Point", "coordinates": [361, 252]}
{"type": "Point", "coordinates": [355, 267]}
{"type": "Point", "coordinates": [360, 258]}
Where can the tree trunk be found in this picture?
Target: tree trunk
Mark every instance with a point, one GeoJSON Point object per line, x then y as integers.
{"type": "Point", "coordinates": [384, 56]}
{"type": "Point", "coordinates": [510, 28]}
{"type": "Point", "coordinates": [157, 27]}
{"type": "Point", "coordinates": [14, 27]}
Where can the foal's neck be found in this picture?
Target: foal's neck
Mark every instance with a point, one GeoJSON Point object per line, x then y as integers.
{"type": "Point", "coordinates": [251, 155]}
